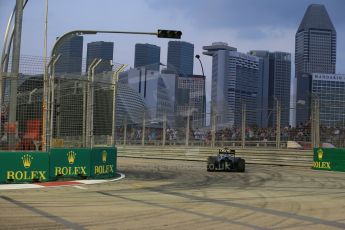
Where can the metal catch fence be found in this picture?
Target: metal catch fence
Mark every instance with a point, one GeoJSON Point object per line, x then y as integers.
{"type": "Point", "coordinates": [90, 108]}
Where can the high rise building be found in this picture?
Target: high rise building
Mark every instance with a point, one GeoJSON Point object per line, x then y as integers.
{"type": "Point", "coordinates": [264, 112]}
{"type": "Point", "coordinates": [71, 57]}
{"type": "Point", "coordinates": [315, 52]}
{"type": "Point", "coordinates": [180, 57]}
{"type": "Point", "coordinates": [279, 86]}
{"type": "Point", "coordinates": [148, 56]}
{"type": "Point", "coordinates": [234, 84]}
{"type": "Point", "coordinates": [274, 86]}
{"type": "Point", "coordinates": [103, 50]}
{"type": "Point", "coordinates": [191, 99]}
{"type": "Point", "coordinates": [177, 96]}
{"type": "Point", "coordinates": [329, 91]}
{"type": "Point", "coordinates": [152, 88]}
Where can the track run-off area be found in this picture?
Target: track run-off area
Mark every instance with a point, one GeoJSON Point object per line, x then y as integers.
{"type": "Point", "coordinates": [173, 194]}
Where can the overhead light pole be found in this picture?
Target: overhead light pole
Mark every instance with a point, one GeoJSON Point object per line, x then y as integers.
{"type": "Point", "coordinates": [202, 68]}
{"type": "Point", "coordinates": [203, 74]}
{"type": "Point", "coordinates": [12, 117]}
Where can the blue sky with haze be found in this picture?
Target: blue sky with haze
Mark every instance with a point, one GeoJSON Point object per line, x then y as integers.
{"type": "Point", "coordinates": [245, 24]}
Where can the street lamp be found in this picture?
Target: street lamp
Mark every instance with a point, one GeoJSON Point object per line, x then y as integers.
{"type": "Point", "coordinates": [202, 68]}
{"type": "Point", "coordinates": [204, 100]}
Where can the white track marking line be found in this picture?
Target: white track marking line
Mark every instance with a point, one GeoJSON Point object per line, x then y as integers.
{"type": "Point", "coordinates": [19, 186]}
{"type": "Point", "coordinates": [85, 182]}
{"type": "Point", "coordinates": [120, 178]}
{"type": "Point", "coordinates": [79, 187]}
{"type": "Point", "coordinates": [91, 181]}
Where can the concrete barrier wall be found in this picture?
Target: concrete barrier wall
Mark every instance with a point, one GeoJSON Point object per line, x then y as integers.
{"type": "Point", "coordinates": [303, 158]}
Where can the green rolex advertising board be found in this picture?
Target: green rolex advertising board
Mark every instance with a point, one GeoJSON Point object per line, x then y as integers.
{"type": "Point", "coordinates": [331, 159]}
{"type": "Point", "coordinates": [73, 162]}
{"type": "Point", "coordinates": [103, 162]}
{"type": "Point", "coordinates": [21, 167]}
{"type": "Point", "coordinates": [81, 163]}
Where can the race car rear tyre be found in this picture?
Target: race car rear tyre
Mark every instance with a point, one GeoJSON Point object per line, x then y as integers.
{"type": "Point", "coordinates": [241, 165]}
{"type": "Point", "coordinates": [211, 163]}
{"type": "Point", "coordinates": [211, 167]}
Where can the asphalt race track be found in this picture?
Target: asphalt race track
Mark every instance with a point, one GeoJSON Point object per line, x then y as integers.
{"type": "Point", "coordinates": [158, 194]}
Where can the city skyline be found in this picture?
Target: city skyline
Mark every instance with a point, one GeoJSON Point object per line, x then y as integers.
{"type": "Point", "coordinates": [267, 25]}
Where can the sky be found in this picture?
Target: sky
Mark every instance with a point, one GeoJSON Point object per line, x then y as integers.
{"type": "Point", "coordinates": [244, 24]}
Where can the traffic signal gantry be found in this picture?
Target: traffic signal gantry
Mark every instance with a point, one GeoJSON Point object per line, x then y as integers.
{"type": "Point", "coordinates": [169, 34]}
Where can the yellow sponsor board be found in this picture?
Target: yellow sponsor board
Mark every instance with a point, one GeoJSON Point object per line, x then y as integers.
{"type": "Point", "coordinates": [21, 175]}
{"type": "Point", "coordinates": [322, 165]}
{"type": "Point", "coordinates": [73, 171]}
{"type": "Point", "coordinates": [318, 163]}
{"type": "Point", "coordinates": [70, 170]}
{"type": "Point", "coordinates": [26, 175]}
{"type": "Point", "coordinates": [104, 169]}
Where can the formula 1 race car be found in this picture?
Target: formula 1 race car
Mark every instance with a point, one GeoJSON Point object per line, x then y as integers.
{"type": "Point", "coordinates": [225, 161]}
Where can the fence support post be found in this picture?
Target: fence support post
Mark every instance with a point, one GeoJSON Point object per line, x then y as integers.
{"type": "Point", "coordinates": [92, 138]}
{"type": "Point", "coordinates": [52, 102]}
{"type": "Point", "coordinates": [45, 106]}
{"type": "Point", "coordinates": [89, 103]}
{"type": "Point", "coordinates": [187, 127]}
{"type": "Point", "coordinates": [125, 132]}
{"type": "Point", "coordinates": [86, 106]}
{"type": "Point", "coordinates": [243, 136]}
{"type": "Point", "coordinates": [278, 120]}
{"type": "Point", "coordinates": [115, 80]}
{"type": "Point", "coordinates": [213, 130]}
{"type": "Point", "coordinates": [143, 132]}
{"type": "Point", "coordinates": [315, 123]}
{"type": "Point", "coordinates": [58, 112]}
{"type": "Point", "coordinates": [164, 133]}
{"type": "Point", "coordinates": [317, 130]}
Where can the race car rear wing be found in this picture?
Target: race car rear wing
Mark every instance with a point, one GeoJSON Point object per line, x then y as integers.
{"type": "Point", "coordinates": [227, 151]}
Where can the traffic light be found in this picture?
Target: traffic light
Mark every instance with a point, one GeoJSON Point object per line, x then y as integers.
{"type": "Point", "coordinates": [169, 34]}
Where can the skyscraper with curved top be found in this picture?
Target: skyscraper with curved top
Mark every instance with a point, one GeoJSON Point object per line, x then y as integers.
{"type": "Point", "coordinates": [315, 52]}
